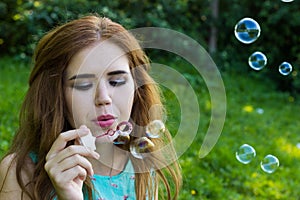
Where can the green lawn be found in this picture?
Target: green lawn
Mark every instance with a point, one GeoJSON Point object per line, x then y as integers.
{"type": "Point", "coordinates": [13, 85]}
{"type": "Point", "coordinates": [257, 114]}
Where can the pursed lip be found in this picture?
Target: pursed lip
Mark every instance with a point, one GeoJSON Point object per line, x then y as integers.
{"type": "Point", "coordinates": [105, 121]}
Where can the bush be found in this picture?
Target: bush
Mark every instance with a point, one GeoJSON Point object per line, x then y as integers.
{"type": "Point", "coordinates": [22, 23]}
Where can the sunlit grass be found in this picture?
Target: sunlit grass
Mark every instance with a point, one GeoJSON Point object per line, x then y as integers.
{"type": "Point", "coordinates": [13, 85]}
{"type": "Point", "coordinates": [257, 114]}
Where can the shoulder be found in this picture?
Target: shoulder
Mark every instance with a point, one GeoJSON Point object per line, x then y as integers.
{"type": "Point", "coordinates": [7, 167]}
{"type": "Point", "coordinates": [9, 186]}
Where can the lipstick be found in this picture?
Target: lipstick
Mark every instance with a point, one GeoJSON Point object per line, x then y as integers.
{"type": "Point", "coordinates": [105, 121]}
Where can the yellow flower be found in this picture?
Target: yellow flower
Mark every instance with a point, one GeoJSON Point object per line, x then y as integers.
{"type": "Point", "coordinates": [37, 4]}
{"type": "Point", "coordinates": [248, 108]}
{"type": "Point", "coordinates": [17, 17]}
{"type": "Point", "coordinates": [193, 192]}
{"type": "Point", "coordinates": [254, 175]}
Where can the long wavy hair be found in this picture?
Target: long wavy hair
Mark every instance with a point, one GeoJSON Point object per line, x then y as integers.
{"type": "Point", "coordinates": [44, 110]}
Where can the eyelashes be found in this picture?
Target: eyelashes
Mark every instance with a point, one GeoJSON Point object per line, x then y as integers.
{"type": "Point", "coordinates": [117, 82]}
{"type": "Point", "coordinates": [82, 86]}
{"type": "Point", "coordinates": [88, 85]}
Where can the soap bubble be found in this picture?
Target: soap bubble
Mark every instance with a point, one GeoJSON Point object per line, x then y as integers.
{"type": "Point", "coordinates": [141, 147]}
{"type": "Point", "coordinates": [269, 164]}
{"type": "Point", "coordinates": [155, 129]}
{"type": "Point", "coordinates": [245, 154]}
{"type": "Point", "coordinates": [123, 137]}
{"type": "Point", "coordinates": [257, 60]}
{"type": "Point", "coordinates": [123, 131]}
{"type": "Point", "coordinates": [247, 30]}
{"type": "Point", "coordinates": [260, 111]}
{"type": "Point", "coordinates": [287, 1]}
{"type": "Point", "coordinates": [285, 68]}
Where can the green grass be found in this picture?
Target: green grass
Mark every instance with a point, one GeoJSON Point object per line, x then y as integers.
{"type": "Point", "coordinates": [218, 175]}
{"type": "Point", "coordinates": [13, 85]}
{"type": "Point", "coordinates": [275, 131]}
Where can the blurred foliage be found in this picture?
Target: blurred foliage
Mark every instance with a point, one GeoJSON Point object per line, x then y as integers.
{"type": "Point", "coordinates": [22, 23]}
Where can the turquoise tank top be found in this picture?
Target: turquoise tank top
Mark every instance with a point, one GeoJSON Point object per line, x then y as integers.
{"type": "Point", "coordinates": [120, 186]}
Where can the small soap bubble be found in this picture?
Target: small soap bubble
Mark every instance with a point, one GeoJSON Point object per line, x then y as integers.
{"type": "Point", "coordinates": [247, 30]}
{"type": "Point", "coordinates": [123, 131]}
{"type": "Point", "coordinates": [285, 68]}
{"type": "Point", "coordinates": [123, 138]}
{"type": "Point", "coordinates": [245, 154]}
{"type": "Point", "coordinates": [260, 111]}
{"type": "Point", "coordinates": [155, 129]}
{"type": "Point", "coordinates": [257, 60]}
{"type": "Point", "coordinates": [141, 147]}
{"type": "Point", "coordinates": [269, 164]}
{"type": "Point", "coordinates": [125, 127]}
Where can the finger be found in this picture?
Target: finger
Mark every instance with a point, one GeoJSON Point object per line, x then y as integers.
{"type": "Point", "coordinates": [55, 167]}
{"type": "Point", "coordinates": [61, 141]}
{"type": "Point", "coordinates": [78, 149]}
{"type": "Point", "coordinates": [75, 160]}
{"type": "Point", "coordinates": [71, 151]}
{"type": "Point", "coordinates": [76, 172]}
{"type": "Point", "coordinates": [69, 175]}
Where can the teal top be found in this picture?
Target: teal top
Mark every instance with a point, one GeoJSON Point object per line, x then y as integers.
{"type": "Point", "coordinates": [118, 187]}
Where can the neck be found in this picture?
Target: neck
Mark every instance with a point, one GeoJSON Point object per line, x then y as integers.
{"type": "Point", "coordinates": [112, 160]}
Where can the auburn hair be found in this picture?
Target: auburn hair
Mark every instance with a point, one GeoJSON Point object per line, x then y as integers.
{"type": "Point", "coordinates": [43, 113]}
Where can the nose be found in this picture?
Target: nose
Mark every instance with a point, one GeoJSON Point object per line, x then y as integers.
{"type": "Point", "coordinates": [102, 95]}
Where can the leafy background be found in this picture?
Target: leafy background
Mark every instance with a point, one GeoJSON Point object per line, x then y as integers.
{"type": "Point", "coordinates": [273, 131]}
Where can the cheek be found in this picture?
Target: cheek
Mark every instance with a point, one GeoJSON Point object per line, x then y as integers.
{"type": "Point", "coordinates": [128, 93]}
{"type": "Point", "coordinates": [123, 99]}
{"type": "Point", "coordinates": [77, 105]}
{"type": "Point", "coordinates": [68, 98]}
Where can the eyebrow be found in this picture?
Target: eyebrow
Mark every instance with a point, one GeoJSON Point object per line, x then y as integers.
{"type": "Point", "coordinates": [93, 75]}
{"type": "Point", "coordinates": [82, 76]}
{"type": "Point", "coordinates": [117, 72]}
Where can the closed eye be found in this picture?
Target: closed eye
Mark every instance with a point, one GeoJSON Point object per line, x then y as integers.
{"type": "Point", "coordinates": [83, 86]}
{"type": "Point", "coordinates": [117, 82]}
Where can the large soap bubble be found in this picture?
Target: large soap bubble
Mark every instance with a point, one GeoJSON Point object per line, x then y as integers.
{"type": "Point", "coordinates": [247, 30]}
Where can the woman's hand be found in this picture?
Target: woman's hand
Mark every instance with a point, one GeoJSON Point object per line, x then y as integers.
{"type": "Point", "coordinates": [68, 167]}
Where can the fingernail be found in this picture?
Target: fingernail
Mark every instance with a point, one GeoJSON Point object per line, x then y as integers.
{"type": "Point", "coordinates": [96, 155]}
{"type": "Point", "coordinates": [84, 127]}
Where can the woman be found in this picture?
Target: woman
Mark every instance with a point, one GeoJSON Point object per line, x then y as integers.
{"type": "Point", "coordinates": [89, 75]}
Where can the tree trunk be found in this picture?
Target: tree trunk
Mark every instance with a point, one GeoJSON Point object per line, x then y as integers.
{"type": "Point", "coordinates": [214, 5]}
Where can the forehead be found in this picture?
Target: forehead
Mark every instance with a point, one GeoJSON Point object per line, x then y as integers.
{"type": "Point", "coordinates": [99, 58]}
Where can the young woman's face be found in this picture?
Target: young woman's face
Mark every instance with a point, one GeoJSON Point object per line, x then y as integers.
{"type": "Point", "coordinates": [99, 88]}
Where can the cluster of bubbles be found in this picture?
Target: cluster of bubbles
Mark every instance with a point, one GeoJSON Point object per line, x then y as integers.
{"type": "Point", "coordinates": [247, 31]}
{"type": "Point", "coordinates": [246, 153]}
{"type": "Point", "coordinates": [141, 147]}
